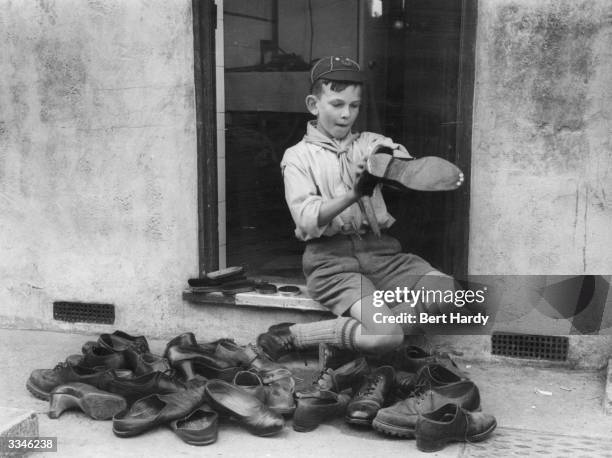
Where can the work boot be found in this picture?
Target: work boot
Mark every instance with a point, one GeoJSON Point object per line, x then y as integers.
{"type": "Point", "coordinates": [371, 396]}
{"type": "Point", "coordinates": [337, 380]}
{"type": "Point", "coordinates": [430, 173]}
{"type": "Point", "coordinates": [451, 423]}
{"type": "Point", "coordinates": [277, 342]}
{"type": "Point", "coordinates": [400, 419]}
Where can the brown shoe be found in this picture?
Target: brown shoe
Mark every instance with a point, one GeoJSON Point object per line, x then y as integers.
{"type": "Point", "coordinates": [401, 418]}
{"type": "Point", "coordinates": [451, 423]}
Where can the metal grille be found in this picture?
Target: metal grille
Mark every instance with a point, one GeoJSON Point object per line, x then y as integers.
{"type": "Point", "coordinates": [84, 312]}
{"type": "Point", "coordinates": [552, 348]}
{"type": "Point", "coordinates": [508, 442]}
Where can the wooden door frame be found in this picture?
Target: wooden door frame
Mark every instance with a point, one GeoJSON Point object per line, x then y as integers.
{"type": "Point", "coordinates": [204, 62]}
{"type": "Point", "coordinates": [460, 211]}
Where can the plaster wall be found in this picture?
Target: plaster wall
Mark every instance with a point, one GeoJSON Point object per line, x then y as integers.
{"type": "Point", "coordinates": [541, 199]}
{"type": "Point", "coordinates": [97, 161]}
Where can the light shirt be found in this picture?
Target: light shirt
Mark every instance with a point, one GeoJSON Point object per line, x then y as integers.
{"type": "Point", "coordinates": [319, 169]}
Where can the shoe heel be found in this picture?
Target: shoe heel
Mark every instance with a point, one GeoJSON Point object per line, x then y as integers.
{"type": "Point", "coordinates": [186, 368]}
{"type": "Point", "coordinates": [58, 403]}
{"type": "Point", "coordinates": [428, 445]}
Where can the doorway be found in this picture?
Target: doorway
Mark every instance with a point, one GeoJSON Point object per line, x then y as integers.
{"type": "Point", "coordinates": [419, 55]}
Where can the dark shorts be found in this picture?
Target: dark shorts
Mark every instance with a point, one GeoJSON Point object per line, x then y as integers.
{"type": "Point", "coordinates": [342, 269]}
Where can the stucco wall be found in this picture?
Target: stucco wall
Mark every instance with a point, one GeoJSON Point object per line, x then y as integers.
{"type": "Point", "coordinates": [97, 160]}
{"type": "Point", "coordinates": [542, 139]}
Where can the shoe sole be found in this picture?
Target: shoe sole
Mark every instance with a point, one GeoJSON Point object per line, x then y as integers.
{"type": "Point", "coordinates": [282, 410]}
{"type": "Point", "coordinates": [304, 428]}
{"type": "Point", "coordinates": [37, 392]}
{"type": "Point", "coordinates": [357, 421]}
{"type": "Point", "coordinates": [392, 430]}
{"type": "Point", "coordinates": [429, 446]}
{"type": "Point", "coordinates": [429, 173]}
{"type": "Point", "coordinates": [98, 406]}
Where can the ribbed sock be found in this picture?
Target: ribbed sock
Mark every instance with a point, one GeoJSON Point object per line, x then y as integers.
{"type": "Point", "coordinates": [339, 332]}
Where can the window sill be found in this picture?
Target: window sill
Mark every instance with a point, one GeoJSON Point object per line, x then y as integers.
{"type": "Point", "coordinates": [301, 302]}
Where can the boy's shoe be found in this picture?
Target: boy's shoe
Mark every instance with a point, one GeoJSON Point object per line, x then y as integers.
{"type": "Point", "coordinates": [451, 423]}
{"type": "Point", "coordinates": [277, 342]}
{"type": "Point", "coordinates": [430, 173]}
{"type": "Point", "coordinates": [371, 396]}
{"type": "Point", "coordinates": [401, 418]}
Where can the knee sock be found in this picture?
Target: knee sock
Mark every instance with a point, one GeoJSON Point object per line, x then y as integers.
{"type": "Point", "coordinates": [339, 332]}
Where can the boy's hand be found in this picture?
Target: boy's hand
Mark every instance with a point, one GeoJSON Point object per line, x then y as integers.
{"type": "Point", "coordinates": [365, 182]}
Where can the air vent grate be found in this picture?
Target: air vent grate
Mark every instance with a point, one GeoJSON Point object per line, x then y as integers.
{"type": "Point", "coordinates": [82, 312]}
{"type": "Point", "coordinates": [552, 348]}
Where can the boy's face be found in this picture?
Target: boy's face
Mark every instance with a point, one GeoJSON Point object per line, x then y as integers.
{"type": "Point", "coordinates": [336, 112]}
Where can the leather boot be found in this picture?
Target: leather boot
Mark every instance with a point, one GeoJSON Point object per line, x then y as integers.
{"type": "Point", "coordinates": [371, 396]}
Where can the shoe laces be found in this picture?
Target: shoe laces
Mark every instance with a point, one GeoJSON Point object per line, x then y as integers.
{"type": "Point", "coordinates": [371, 386]}
{"type": "Point", "coordinates": [325, 379]}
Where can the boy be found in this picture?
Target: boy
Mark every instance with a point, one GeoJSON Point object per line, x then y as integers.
{"type": "Point", "coordinates": [337, 206]}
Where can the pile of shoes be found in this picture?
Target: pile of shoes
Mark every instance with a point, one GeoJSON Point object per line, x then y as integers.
{"type": "Point", "coordinates": [408, 393]}
{"type": "Point", "coordinates": [188, 388]}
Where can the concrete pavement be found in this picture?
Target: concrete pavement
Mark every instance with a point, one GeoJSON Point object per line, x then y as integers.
{"type": "Point", "coordinates": [540, 411]}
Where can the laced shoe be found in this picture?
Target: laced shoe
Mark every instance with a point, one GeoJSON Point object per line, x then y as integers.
{"type": "Point", "coordinates": [336, 380]}
{"type": "Point", "coordinates": [451, 423]}
{"type": "Point", "coordinates": [371, 396]}
{"type": "Point", "coordinates": [42, 381]}
{"type": "Point", "coordinates": [278, 341]}
{"type": "Point", "coordinates": [400, 419]}
{"type": "Point", "coordinates": [429, 376]}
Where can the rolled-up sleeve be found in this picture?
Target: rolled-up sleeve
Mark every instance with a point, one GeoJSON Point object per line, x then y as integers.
{"type": "Point", "coordinates": [303, 200]}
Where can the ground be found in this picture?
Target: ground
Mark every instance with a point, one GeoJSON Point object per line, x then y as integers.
{"type": "Point", "coordinates": [540, 412]}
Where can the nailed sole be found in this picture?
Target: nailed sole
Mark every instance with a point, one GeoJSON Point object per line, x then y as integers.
{"type": "Point", "coordinates": [430, 173]}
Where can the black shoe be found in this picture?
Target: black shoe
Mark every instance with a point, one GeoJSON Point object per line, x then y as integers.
{"type": "Point", "coordinates": [251, 358]}
{"type": "Point", "coordinates": [119, 341]}
{"type": "Point", "coordinates": [183, 340]}
{"type": "Point", "coordinates": [194, 360]}
{"type": "Point", "coordinates": [247, 409]}
{"type": "Point", "coordinates": [96, 356]}
{"type": "Point", "coordinates": [135, 388]}
{"type": "Point", "coordinates": [43, 381]}
{"type": "Point", "coordinates": [318, 408]}
{"type": "Point", "coordinates": [371, 396]}
{"type": "Point", "coordinates": [278, 341]}
{"type": "Point", "coordinates": [158, 409]}
{"type": "Point", "coordinates": [144, 363]}
{"type": "Point", "coordinates": [199, 427]}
